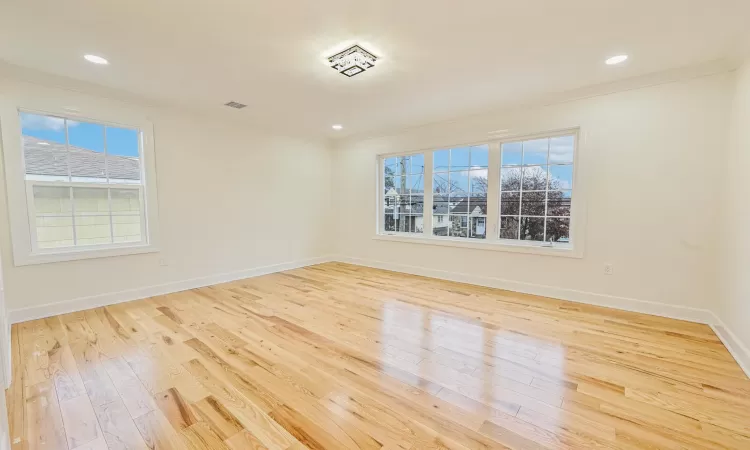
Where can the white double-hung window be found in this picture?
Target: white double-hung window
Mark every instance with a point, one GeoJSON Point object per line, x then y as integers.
{"type": "Point", "coordinates": [514, 194]}
{"type": "Point", "coordinates": [78, 187]}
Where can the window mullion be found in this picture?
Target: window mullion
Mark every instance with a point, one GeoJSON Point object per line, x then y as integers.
{"type": "Point", "coordinates": [111, 225]}
{"type": "Point", "coordinates": [73, 213]}
{"type": "Point", "coordinates": [67, 150]}
{"type": "Point", "coordinates": [428, 200]}
{"type": "Point", "coordinates": [493, 193]}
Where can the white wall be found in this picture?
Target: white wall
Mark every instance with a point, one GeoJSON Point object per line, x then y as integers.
{"type": "Point", "coordinates": [734, 308]}
{"type": "Point", "coordinates": [649, 168]}
{"type": "Point", "coordinates": [230, 199]}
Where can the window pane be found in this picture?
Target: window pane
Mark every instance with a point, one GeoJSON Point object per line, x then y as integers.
{"type": "Point", "coordinates": [535, 152]}
{"type": "Point", "coordinates": [402, 224]}
{"type": "Point", "coordinates": [90, 200]}
{"type": "Point", "coordinates": [126, 228]}
{"type": "Point", "coordinates": [417, 164]}
{"type": "Point", "coordinates": [535, 178]}
{"type": "Point", "coordinates": [478, 205]}
{"type": "Point", "coordinates": [52, 200]}
{"type": "Point", "coordinates": [512, 154]}
{"type": "Point", "coordinates": [93, 229]}
{"type": "Point", "coordinates": [390, 166]}
{"type": "Point", "coordinates": [532, 228]}
{"type": "Point", "coordinates": [479, 156]}
{"type": "Point", "coordinates": [478, 228]}
{"type": "Point", "coordinates": [558, 203]}
{"type": "Point", "coordinates": [389, 185]}
{"type": "Point", "coordinates": [44, 150]}
{"type": "Point", "coordinates": [440, 183]}
{"type": "Point", "coordinates": [416, 204]}
{"type": "Point", "coordinates": [440, 225]}
{"type": "Point", "coordinates": [403, 165]}
{"type": "Point", "coordinates": [459, 184]}
{"type": "Point", "coordinates": [558, 230]}
{"type": "Point", "coordinates": [403, 202]}
{"type": "Point", "coordinates": [509, 203]}
{"type": "Point", "coordinates": [400, 185]}
{"type": "Point", "coordinates": [54, 222]}
{"type": "Point", "coordinates": [441, 160]}
{"type": "Point", "coordinates": [123, 156]}
{"type": "Point", "coordinates": [402, 205]}
{"type": "Point", "coordinates": [532, 203]}
{"type": "Point", "coordinates": [389, 203]}
{"type": "Point", "coordinates": [459, 205]}
{"type": "Point", "coordinates": [86, 151]}
{"type": "Point", "coordinates": [125, 201]}
{"type": "Point", "coordinates": [418, 220]}
{"type": "Point", "coordinates": [510, 179]}
{"type": "Point", "coordinates": [416, 184]}
{"type": "Point", "coordinates": [561, 177]}
{"type": "Point", "coordinates": [509, 228]}
{"type": "Point", "coordinates": [54, 231]}
{"type": "Point", "coordinates": [389, 224]}
{"type": "Point", "coordinates": [458, 226]}
{"type": "Point", "coordinates": [440, 204]}
{"type": "Point", "coordinates": [561, 150]}
{"type": "Point", "coordinates": [478, 182]}
{"type": "Point", "coordinates": [460, 158]}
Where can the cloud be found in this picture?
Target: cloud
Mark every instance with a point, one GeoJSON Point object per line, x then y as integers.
{"type": "Point", "coordinates": [476, 172]}
{"type": "Point", "coordinates": [39, 122]}
{"type": "Point", "coordinates": [561, 149]}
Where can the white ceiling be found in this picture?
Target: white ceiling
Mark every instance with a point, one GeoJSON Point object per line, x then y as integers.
{"type": "Point", "coordinates": [442, 59]}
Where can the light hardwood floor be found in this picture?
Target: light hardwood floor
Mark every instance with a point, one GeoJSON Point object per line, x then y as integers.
{"type": "Point", "coordinates": [340, 356]}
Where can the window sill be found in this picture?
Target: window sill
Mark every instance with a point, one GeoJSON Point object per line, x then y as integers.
{"type": "Point", "coordinates": [567, 252]}
{"type": "Point", "coordinates": [74, 255]}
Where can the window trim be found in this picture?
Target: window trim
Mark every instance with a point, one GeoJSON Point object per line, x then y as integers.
{"type": "Point", "coordinates": [575, 249]}
{"type": "Point", "coordinates": [21, 216]}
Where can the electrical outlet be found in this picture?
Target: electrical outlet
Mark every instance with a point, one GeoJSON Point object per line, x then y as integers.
{"type": "Point", "coordinates": [609, 269]}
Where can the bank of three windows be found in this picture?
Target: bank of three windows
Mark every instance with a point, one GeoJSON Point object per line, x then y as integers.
{"type": "Point", "coordinates": [531, 179]}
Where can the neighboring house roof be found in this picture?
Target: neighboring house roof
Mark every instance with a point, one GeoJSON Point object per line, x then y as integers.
{"type": "Point", "coordinates": [478, 207]}
{"type": "Point", "coordinates": [52, 159]}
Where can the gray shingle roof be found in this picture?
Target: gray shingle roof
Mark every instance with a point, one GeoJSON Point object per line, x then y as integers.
{"type": "Point", "coordinates": [52, 159]}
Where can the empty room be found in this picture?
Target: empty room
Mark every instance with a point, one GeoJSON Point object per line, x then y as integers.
{"type": "Point", "coordinates": [394, 225]}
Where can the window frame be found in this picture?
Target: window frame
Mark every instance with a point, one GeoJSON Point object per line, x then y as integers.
{"type": "Point", "coordinates": [573, 249]}
{"type": "Point", "coordinates": [20, 191]}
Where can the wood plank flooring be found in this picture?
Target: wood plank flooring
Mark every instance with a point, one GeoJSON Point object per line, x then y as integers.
{"type": "Point", "coordinates": [339, 356]}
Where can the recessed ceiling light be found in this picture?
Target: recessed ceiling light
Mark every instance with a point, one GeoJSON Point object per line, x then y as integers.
{"type": "Point", "coordinates": [616, 59]}
{"type": "Point", "coordinates": [337, 127]}
{"type": "Point", "coordinates": [96, 59]}
{"type": "Point", "coordinates": [352, 61]}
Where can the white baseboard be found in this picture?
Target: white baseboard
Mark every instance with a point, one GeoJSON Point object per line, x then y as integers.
{"type": "Point", "coordinates": [628, 304]}
{"type": "Point", "coordinates": [739, 351]}
{"type": "Point", "coordinates": [111, 298]}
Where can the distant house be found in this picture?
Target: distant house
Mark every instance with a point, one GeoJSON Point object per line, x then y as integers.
{"type": "Point", "coordinates": [464, 216]}
{"type": "Point", "coordinates": [458, 216]}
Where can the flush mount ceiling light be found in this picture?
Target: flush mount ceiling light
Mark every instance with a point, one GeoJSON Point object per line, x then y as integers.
{"type": "Point", "coordinates": [616, 60]}
{"type": "Point", "coordinates": [352, 61]}
{"type": "Point", "coordinates": [337, 127]}
{"type": "Point", "coordinates": [95, 59]}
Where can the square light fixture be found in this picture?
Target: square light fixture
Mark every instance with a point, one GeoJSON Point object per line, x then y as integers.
{"type": "Point", "coordinates": [352, 61]}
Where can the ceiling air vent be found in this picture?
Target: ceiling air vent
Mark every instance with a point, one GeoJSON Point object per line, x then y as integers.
{"type": "Point", "coordinates": [235, 105]}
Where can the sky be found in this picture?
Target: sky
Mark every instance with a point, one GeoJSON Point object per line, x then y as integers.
{"type": "Point", "coordinates": [119, 141]}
